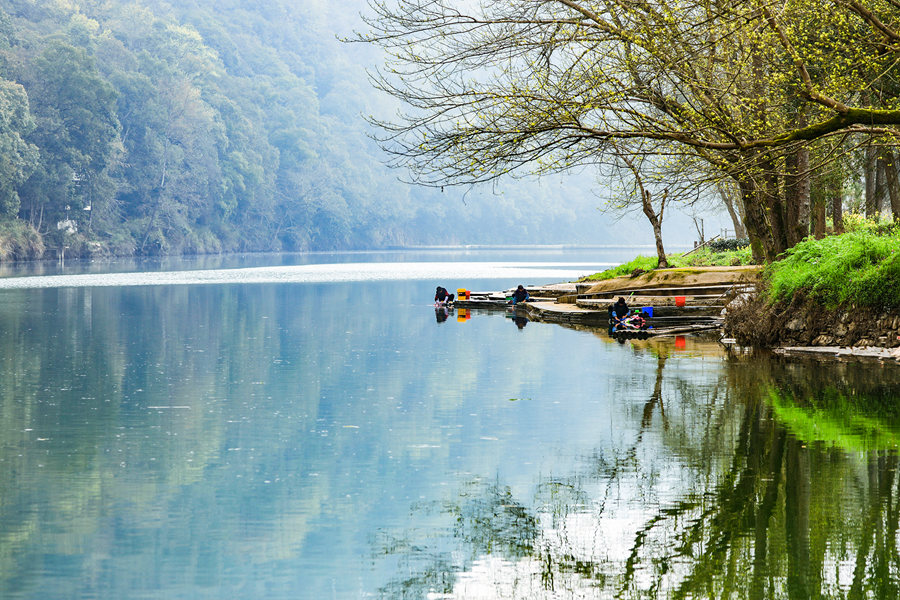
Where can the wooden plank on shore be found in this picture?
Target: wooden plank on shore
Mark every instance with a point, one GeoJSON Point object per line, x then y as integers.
{"type": "Point", "coordinates": [662, 331]}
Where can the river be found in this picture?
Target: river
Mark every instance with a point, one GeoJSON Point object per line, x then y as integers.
{"type": "Point", "coordinates": [308, 426]}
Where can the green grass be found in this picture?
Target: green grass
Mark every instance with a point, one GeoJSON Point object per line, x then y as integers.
{"type": "Point", "coordinates": [857, 269]}
{"type": "Point", "coordinates": [645, 263]}
{"type": "Point", "coordinates": [699, 258]}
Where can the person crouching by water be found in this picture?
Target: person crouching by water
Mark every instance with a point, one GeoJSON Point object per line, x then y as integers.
{"type": "Point", "coordinates": [442, 296]}
{"type": "Point", "coordinates": [619, 311]}
{"type": "Point", "coordinates": [520, 295]}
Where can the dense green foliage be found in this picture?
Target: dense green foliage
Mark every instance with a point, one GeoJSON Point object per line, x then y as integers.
{"type": "Point", "coordinates": [206, 126]}
{"type": "Point", "coordinates": [860, 268]}
{"type": "Point", "coordinates": [698, 258]}
{"type": "Point", "coordinates": [721, 245]}
{"type": "Point", "coordinates": [18, 241]}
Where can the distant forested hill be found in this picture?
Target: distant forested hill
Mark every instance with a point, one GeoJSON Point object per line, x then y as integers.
{"type": "Point", "coordinates": [223, 125]}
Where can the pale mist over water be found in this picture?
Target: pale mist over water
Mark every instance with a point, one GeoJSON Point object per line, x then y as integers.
{"type": "Point", "coordinates": [320, 273]}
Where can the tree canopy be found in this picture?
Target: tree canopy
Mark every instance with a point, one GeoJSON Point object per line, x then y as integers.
{"type": "Point", "coordinates": [202, 126]}
{"type": "Point", "coordinates": [545, 85]}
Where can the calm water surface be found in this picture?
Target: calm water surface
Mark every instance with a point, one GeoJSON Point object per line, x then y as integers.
{"type": "Point", "coordinates": [307, 426]}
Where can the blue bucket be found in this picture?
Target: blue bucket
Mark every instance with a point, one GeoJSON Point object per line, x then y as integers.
{"type": "Point", "coordinates": [647, 310]}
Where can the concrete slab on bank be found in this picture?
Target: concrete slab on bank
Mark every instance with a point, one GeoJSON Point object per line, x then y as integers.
{"type": "Point", "coordinates": [553, 312]}
{"type": "Point", "coordinates": [845, 352]}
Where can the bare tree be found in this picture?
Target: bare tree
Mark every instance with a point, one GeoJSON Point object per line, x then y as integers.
{"type": "Point", "coordinates": [650, 210]}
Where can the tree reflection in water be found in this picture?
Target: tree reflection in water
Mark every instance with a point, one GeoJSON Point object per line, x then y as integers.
{"type": "Point", "coordinates": [778, 482]}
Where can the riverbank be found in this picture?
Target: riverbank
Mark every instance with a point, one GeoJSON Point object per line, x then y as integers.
{"type": "Point", "coordinates": [836, 296]}
{"type": "Point", "coordinates": [841, 291]}
{"type": "Point", "coordinates": [797, 330]}
{"type": "Point", "coordinates": [805, 322]}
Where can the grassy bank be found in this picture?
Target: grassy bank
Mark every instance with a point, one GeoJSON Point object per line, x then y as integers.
{"type": "Point", "coordinates": [857, 269]}
{"type": "Point", "coordinates": [842, 290]}
{"type": "Point", "coordinates": [704, 257]}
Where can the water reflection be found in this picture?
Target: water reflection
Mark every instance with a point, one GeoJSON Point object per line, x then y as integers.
{"type": "Point", "coordinates": [287, 441]}
{"type": "Point", "coordinates": [442, 313]}
{"type": "Point", "coordinates": [777, 481]}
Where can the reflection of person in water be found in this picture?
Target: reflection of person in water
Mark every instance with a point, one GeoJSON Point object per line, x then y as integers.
{"type": "Point", "coordinates": [520, 322]}
{"type": "Point", "coordinates": [441, 313]}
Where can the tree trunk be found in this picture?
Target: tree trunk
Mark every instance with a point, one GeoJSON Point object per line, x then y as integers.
{"type": "Point", "coordinates": [762, 210]}
{"type": "Point", "coordinates": [755, 220]}
{"type": "Point", "coordinates": [819, 217]}
{"type": "Point", "coordinates": [775, 206]}
{"type": "Point", "coordinates": [656, 221]}
{"type": "Point", "coordinates": [737, 220]}
{"type": "Point", "coordinates": [837, 207]}
{"type": "Point", "coordinates": [792, 208]}
{"type": "Point", "coordinates": [797, 195]}
{"type": "Point", "coordinates": [869, 171]}
{"type": "Point", "coordinates": [893, 182]}
{"type": "Point", "coordinates": [654, 217]}
{"type": "Point", "coordinates": [880, 185]}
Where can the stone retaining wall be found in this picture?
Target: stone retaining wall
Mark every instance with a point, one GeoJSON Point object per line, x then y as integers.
{"type": "Point", "coordinates": [844, 329]}
{"type": "Point", "coordinates": [812, 325]}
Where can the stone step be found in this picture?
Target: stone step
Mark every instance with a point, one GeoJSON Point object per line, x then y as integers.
{"type": "Point", "coordinates": [700, 290]}
{"type": "Point", "coordinates": [691, 307]}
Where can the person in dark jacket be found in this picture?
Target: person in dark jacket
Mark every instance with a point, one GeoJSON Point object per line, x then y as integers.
{"type": "Point", "coordinates": [520, 295]}
{"type": "Point", "coordinates": [619, 311]}
{"type": "Point", "coordinates": [442, 296]}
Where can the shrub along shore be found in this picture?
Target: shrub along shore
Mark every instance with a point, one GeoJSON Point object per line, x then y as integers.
{"type": "Point", "coordinates": [842, 290]}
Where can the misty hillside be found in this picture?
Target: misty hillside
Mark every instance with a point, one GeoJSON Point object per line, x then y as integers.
{"type": "Point", "coordinates": [207, 126]}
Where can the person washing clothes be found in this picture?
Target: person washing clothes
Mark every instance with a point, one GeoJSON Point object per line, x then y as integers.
{"type": "Point", "coordinates": [442, 296]}
{"type": "Point", "coordinates": [619, 311]}
{"type": "Point", "coordinates": [520, 295]}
